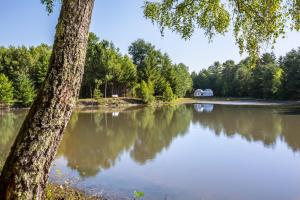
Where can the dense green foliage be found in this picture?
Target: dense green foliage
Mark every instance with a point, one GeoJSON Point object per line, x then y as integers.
{"type": "Point", "coordinates": [168, 93]}
{"type": "Point", "coordinates": [26, 68]}
{"type": "Point", "coordinates": [269, 78]}
{"type": "Point", "coordinates": [25, 92]}
{"type": "Point", "coordinates": [148, 73]}
{"type": "Point", "coordinates": [146, 91]}
{"type": "Point", "coordinates": [254, 22]}
{"type": "Point", "coordinates": [157, 68]}
{"type": "Point", "coordinates": [6, 90]}
{"type": "Point", "coordinates": [291, 78]}
{"type": "Point", "coordinates": [145, 75]}
{"type": "Point", "coordinates": [107, 71]}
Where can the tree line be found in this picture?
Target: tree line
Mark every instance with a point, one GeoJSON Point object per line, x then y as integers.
{"type": "Point", "coordinates": [149, 74]}
{"type": "Point", "coordinates": [269, 78]}
{"type": "Point", "coordinates": [146, 72]}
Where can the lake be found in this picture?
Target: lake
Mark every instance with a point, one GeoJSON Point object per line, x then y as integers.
{"type": "Point", "coordinates": [184, 152]}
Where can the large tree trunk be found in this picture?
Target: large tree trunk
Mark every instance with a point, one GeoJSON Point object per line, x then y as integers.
{"type": "Point", "coordinates": [25, 172]}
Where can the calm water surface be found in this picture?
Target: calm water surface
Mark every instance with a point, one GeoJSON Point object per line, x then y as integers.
{"type": "Point", "coordinates": [188, 152]}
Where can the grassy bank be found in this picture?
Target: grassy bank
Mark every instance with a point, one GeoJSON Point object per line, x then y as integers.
{"type": "Point", "coordinates": [63, 192]}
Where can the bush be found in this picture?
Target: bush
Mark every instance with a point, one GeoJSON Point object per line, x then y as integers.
{"type": "Point", "coordinates": [6, 90]}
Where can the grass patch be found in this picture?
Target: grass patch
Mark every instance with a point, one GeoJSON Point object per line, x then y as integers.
{"type": "Point", "coordinates": [62, 192]}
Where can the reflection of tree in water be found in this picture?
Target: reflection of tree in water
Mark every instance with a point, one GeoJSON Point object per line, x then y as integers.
{"type": "Point", "coordinates": [158, 127]}
{"type": "Point", "coordinates": [10, 123]}
{"type": "Point", "coordinates": [97, 140]}
{"type": "Point", "coordinates": [291, 131]}
{"type": "Point", "coordinates": [252, 123]}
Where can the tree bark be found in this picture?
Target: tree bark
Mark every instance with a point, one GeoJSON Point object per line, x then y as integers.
{"type": "Point", "coordinates": [25, 173]}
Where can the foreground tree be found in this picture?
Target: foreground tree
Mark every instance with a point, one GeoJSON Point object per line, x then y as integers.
{"type": "Point", "coordinates": [25, 172]}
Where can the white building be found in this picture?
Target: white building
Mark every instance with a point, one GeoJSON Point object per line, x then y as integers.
{"type": "Point", "coordinates": [198, 93]}
{"type": "Point", "coordinates": [205, 93]}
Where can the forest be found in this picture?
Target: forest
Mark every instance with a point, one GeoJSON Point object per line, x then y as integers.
{"type": "Point", "coordinates": [146, 72]}
{"type": "Point", "coordinates": [268, 78]}
{"type": "Point", "coordinates": [149, 74]}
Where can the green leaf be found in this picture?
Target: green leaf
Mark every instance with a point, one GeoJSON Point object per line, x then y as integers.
{"type": "Point", "coordinates": [138, 194]}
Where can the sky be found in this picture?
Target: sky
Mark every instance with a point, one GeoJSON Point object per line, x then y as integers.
{"type": "Point", "coordinates": [26, 22]}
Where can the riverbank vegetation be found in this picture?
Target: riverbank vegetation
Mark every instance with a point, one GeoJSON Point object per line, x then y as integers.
{"type": "Point", "coordinates": [269, 78]}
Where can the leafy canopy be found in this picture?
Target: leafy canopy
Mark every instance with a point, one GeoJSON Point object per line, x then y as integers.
{"type": "Point", "coordinates": [254, 22]}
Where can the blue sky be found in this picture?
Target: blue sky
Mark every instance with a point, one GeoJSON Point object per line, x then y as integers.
{"type": "Point", "coordinates": [25, 22]}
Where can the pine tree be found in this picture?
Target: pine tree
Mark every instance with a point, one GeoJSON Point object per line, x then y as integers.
{"type": "Point", "coordinates": [168, 94]}
{"type": "Point", "coordinates": [25, 92]}
{"type": "Point", "coordinates": [6, 90]}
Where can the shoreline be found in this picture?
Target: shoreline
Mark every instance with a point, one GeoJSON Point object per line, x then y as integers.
{"type": "Point", "coordinates": [125, 102]}
{"type": "Point", "coordinates": [247, 102]}
{"type": "Point", "coordinates": [122, 103]}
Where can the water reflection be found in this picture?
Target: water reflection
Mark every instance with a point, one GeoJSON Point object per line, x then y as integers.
{"type": "Point", "coordinates": [203, 107]}
{"type": "Point", "coordinates": [253, 124]}
{"type": "Point", "coordinates": [10, 123]}
{"type": "Point", "coordinates": [95, 141]}
{"type": "Point", "coordinates": [100, 138]}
